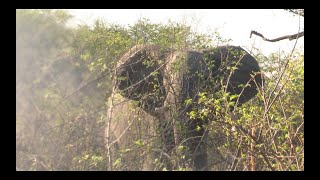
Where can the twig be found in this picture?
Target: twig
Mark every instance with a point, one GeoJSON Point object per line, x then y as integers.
{"type": "Point", "coordinates": [109, 124]}
{"type": "Point", "coordinates": [278, 81]}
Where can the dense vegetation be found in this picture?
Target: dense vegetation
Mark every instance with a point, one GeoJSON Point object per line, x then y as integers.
{"type": "Point", "coordinates": [64, 80]}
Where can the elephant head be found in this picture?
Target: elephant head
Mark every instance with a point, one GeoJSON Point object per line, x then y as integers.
{"type": "Point", "coordinates": [158, 77]}
{"type": "Point", "coordinates": [139, 76]}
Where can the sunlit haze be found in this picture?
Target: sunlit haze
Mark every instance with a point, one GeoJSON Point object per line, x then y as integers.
{"type": "Point", "coordinates": [232, 24]}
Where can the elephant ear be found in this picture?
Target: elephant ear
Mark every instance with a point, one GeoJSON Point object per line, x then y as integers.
{"type": "Point", "coordinates": [246, 74]}
{"type": "Point", "coordinates": [139, 77]}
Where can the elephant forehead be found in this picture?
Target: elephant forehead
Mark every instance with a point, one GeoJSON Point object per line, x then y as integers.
{"type": "Point", "coordinates": [195, 61]}
{"type": "Point", "coordinates": [138, 53]}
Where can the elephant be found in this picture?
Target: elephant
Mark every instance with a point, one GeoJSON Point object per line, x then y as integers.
{"type": "Point", "coordinates": [163, 85]}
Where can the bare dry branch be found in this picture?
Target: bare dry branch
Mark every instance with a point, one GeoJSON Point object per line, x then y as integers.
{"type": "Point", "coordinates": [290, 37]}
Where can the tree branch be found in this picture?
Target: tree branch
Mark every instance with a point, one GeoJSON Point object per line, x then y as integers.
{"type": "Point", "coordinates": [299, 12]}
{"type": "Point", "coordinates": [290, 37]}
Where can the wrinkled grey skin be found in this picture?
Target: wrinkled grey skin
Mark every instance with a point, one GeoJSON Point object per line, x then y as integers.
{"type": "Point", "coordinates": [160, 81]}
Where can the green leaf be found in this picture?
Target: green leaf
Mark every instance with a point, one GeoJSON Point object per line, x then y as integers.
{"type": "Point", "coordinates": [198, 128]}
{"type": "Point", "coordinates": [192, 115]}
{"type": "Point", "coordinates": [188, 101]}
{"type": "Point", "coordinates": [234, 96]}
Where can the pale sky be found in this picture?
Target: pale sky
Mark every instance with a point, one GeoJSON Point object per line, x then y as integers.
{"type": "Point", "coordinates": [235, 24]}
